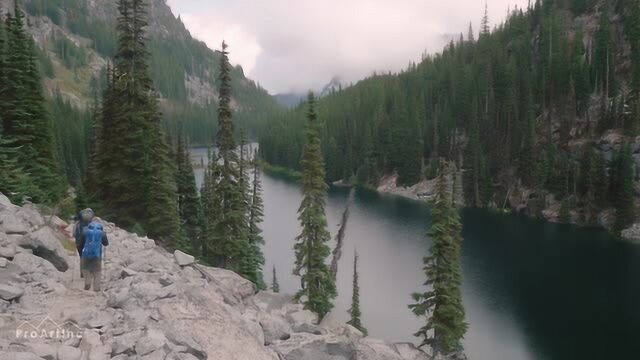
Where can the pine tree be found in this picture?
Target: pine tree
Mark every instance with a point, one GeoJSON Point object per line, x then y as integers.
{"type": "Point", "coordinates": [25, 121]}
{"type": "Point", "coordinates": [354, 310]}
{"type": "Point", "coordinates": [311, 247]}
{"type": "Point", "coordinates": [227, 223]}
{"type": "Point", "coordinates": [256, 213]}
{"type": "Point", "coordinates": [484, 24]}
{"type": "Point", "coordinates": [442, 303]}
{"type": "Point", "coordinates": [135, 177]}
{"type": "Point", "coordinates": [189, 207]}
{"type": "Point", "coordinates": [275, 286]}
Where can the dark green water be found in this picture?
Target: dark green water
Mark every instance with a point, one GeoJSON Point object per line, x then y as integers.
{"type": "Point", "coordinates": [532, 290]}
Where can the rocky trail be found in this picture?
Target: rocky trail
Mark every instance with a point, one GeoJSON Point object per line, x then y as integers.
{"type": "Point", "coordinates": [153, 305]}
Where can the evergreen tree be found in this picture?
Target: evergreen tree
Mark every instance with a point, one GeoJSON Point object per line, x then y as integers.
{"type": "Point", "coordinates": [256, 213]}
{"type": "Point", "coordinates": [354, 310]}
{"type": "Point", "coordinates": [135, 176]}
{"type": "Point", "coordinates": [442, 303]}
{"type": "Point", "coordinates": [484, 24]}
{"type": "Point", "coordinates": [189, 207]}
{"type": "Point", "coordinates": [311, 247]}
{"type": "Point", "coordinates": [227, 222]}
{"type": "Point", "coordinates": [25, 121]}
{"type": "Point", "coordinates": [275, 287]}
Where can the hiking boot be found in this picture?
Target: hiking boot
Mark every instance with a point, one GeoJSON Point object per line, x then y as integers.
{"type": "Point", "coordinates": [87, 286]}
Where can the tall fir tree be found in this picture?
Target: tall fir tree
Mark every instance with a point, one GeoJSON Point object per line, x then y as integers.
{"type": "Point", "coordinates": [256, 213]}
{"type": "Point", "coordinates": [311, 249]}
{"type": "Point", "coordinates": [228, 243]}
{"type": "Point", "coordinates": [25, 120]}
{"type": "Point", "coordinates": [189, 207]}
{"type": "Point", "coordinates": [275, 286]}
{"type": "Point", "coordinates": [442, 304]}
{"type": "Point", "coordinates": [354, 310]}
{"type": "Point", "coordinates": [135, 176]}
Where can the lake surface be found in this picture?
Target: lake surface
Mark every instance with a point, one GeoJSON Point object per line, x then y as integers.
{"type": "Point", "coordinates": [532, 290]}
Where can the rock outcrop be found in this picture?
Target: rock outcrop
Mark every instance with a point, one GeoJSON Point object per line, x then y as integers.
{"type": "Point", "coordinates": [154, 305]}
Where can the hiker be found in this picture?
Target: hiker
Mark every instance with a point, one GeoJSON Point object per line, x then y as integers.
{"type": "Point", "coordinates": [92, 240]}
{"type": "Point", "coordinates": [83, 219]}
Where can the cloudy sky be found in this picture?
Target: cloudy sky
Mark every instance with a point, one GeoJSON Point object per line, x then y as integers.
{"type": "Point", "coordinates": [296, 45]}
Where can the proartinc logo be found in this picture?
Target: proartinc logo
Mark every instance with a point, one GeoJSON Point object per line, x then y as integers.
{"type": "Point", "coordinates": [48, 329]}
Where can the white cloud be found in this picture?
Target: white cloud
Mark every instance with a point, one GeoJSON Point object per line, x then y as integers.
{"type": "Point", "coordinates": [294, 45]}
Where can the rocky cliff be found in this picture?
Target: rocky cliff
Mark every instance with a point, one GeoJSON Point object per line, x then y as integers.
{"type": "Point", "coordinates": [154, 305]}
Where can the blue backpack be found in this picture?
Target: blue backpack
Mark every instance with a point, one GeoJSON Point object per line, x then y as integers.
{"type": "Point", "coordinates": [92, 241]}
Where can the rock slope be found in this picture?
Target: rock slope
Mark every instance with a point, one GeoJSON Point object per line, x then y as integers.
{"type": "Point", "coordinates": [154, 305]}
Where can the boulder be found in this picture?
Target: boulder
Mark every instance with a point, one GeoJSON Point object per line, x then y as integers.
{"type": "Point", "coordinates": [31, 215]}
{"type": "Point", "coordinates": [45, 351]}
{"type": "Point", "coordinates": [125, 343]}
{"type": "Point", "coordinates": [233, 287]}
{"type": "Point", "coordinates": [11, 224]}
{"type": "Point", "coordinates": [268, 301]}
{"type": "Point", "coordinates": [316, 347]}
{"type": "Point", "coordinates": [188, 342]}
{"type": "Point", "coordinates": [3, 262]}
{"type": "Point", "coordinates": [152, 340]}
{"type": "Point", "coordinates": [301, 318]}
{"type": "Point", "coordinates": [5, 202]}
{"type": "Point", "coordinates": [8, 251]}
{"type": "Point", "coordinates": [632, 233]}
{"type": "Point", "coordinates": [9, 292]}
{"type": "Point", "coordinates": [409, 351]}
{"type": "Point", "coordinates": [158, 354]}
{"type": "Point", "coordinates": [372, 349]}
{"type": "Point", "coordinates": [14, 355]}
{"type": "Point", "coordinates": [274, 328]}
{"type": "Point", "coordinates": [90, 339]}
{"type": "Point", "coordinates": [66, 352]}
{"type": "Point", "coordinates": [183, 259]}
{"type": "Point", "coordinates": [46, 245]}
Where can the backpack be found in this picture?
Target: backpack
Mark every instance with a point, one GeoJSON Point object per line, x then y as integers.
{"type": "Point", "coordinates": [92, 241]}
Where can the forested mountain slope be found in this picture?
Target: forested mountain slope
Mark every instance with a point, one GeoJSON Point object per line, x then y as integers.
{"type": "Point", "coordinates": [541, 113]}
{"type": "Point", "coordinates": [76, 39]}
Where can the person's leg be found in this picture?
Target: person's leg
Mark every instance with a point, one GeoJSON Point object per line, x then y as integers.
{"type": "Point", "coordinates": [96, 280]}
{"type": "Point", "coordinates": [87, 279]}
{"type": "Point", "coordinates": [80, 255]}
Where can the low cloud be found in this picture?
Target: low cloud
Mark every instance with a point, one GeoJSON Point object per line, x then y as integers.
{"type": "Point", "coordinates": [293, 45]}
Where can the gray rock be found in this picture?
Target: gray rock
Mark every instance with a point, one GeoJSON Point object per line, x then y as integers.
{"type": "Point", "coordinates": [45, 351]}
{"type": "Point", "coordinates": [302, 317]}
{"type": "Point", "coordinates": [100, 320]}
{"type": "Point", "coordinates": [632, 234]}
{"type": "Point", "coordinates": [152, 340]}
{"type": "Point", "coordinates": [46, 245]}
{"type": "Point", "coordinates": [126, 272]}
{"type": "Point", "coordinates": [268, 301]}
{"type": "Point", "coordinates": [316, 347]}
{"type": "Point", "coordinates": [191, 345]}
{"type": "Point", "coordinates": [409, 351]}
{"type": "Point", "coordinates": [30, 214]}
{"type": "Point", "coordinates": [90, 339]}
{"type": "Point", "coordinates": [372, 349]}
{"type": "Point", "coordinates": [9, 292]}
{"type": "Point", "coordinates": [233, 287]}
{"type": "Point", "coordinates": [69, 353]}
{"type": "Point", "coordinates": [274, 328]}
{"type": "Point", "coordinates": [11, 224]}
{"type": "Point", "coordinates": [14, 355]}
{"type": "Point", "coordinates": [8, 251]}
{"type": "Point", "coordinates": [3, 262]}
{"type": "Point", "coordinates": [125, 342]}
{"type": "Point", "coordinates": [158, 354]}
{"type": "Point", "coordinates": [183, 259]}
{"type": "Point", "coordinates": [5, 202]}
